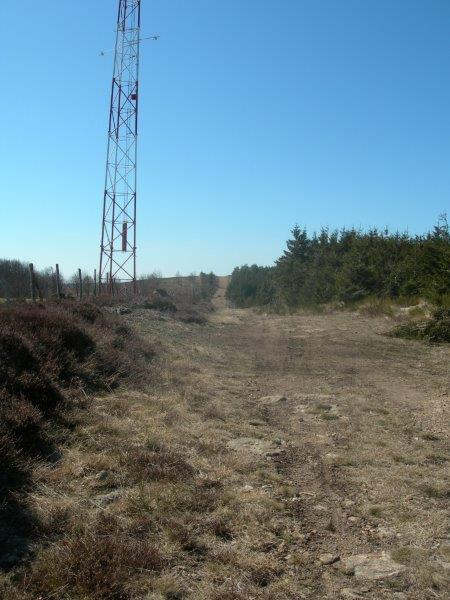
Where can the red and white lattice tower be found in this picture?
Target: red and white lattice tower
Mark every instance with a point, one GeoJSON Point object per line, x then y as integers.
{"type": "Point", "coordinates": [118, 239]}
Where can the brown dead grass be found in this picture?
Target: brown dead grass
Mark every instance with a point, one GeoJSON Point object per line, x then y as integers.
{"type": "Point", "coordinates": [152, 497]}
{"type": "Point", "coordinates": [102, 561]}
{"type": "Point", "coordinates": [49, 358]}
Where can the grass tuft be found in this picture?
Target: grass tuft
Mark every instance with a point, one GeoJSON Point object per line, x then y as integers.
{"type": "Point", "coordinates": [98, 561]}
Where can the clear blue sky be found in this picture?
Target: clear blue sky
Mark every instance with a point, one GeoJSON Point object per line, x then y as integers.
{"type": "Point", "coordinates": [255, 115]}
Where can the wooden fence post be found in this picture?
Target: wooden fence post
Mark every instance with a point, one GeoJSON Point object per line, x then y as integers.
{"type": "Point", "coordinates": [32, 287]}
{"type": "Point", "coordinates": [58, 283]}
{"type": "Point", "coordinates": [80, 283]}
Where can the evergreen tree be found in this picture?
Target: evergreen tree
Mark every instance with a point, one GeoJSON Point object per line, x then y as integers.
{"type": "Point", "coordinates": [349, 265]}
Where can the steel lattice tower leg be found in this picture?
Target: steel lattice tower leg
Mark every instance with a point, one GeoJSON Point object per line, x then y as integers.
{"type": "Point", "coordinates": [118, 240]}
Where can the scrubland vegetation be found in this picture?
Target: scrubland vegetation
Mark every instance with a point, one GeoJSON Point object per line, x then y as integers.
{"type": "Point", "coordinates": [51, 358]}
{"type": "Point", "coordinates": [150, 456]}
{"type": "Point", "coordinates": [187, 299]}
{"type": "Point", "coordinates": [58, 360]}
{"type": "Point", "coordinates": [434, 329]}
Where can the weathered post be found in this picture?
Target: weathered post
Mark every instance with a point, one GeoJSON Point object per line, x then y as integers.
{"type": "Point", "coordinates": [58, 283]}
{"type": "Point", "coordinates": [95, 282]}
{"type": "Point", "coordinates": [32, 287]}
{"type": "Point", "coordinates": [80, 285]}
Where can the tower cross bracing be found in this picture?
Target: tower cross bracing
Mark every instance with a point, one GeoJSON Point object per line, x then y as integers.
{"type": "Point", "coordinates": [118, 238]}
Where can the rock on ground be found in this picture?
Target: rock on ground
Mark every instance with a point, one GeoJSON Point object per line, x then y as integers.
{"type": "Point", "coordinates": [370, 566]}
{"type": "Point", "coordinates": [276, 399]}
{"type": "Point", "coordinates": [249, 444]}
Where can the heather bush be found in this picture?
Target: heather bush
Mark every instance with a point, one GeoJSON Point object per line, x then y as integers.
{"type": "Point", "coordinates": [49, 356]}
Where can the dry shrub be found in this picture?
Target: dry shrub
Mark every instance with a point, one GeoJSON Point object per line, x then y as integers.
{"type": "Point", "coordinates": [219, 525]}
{"type": "Point", "coordinates": [191, 310]}
{"type": "Point", "coordinates": [161, 304]}
{"type": "Point", "coordinates": [180, 302]}
{"type": "Point", "coordinates": [156, 463]}
{"type": "Point", "coordinates": [190, 315]}
{"type": "Point", "coordinates": [48, 355]}
{"type": "Point", "coordinates": [29, 400]}
{"type": "Point", "coordinates": [434, 330]}
{"type": "Point", "coordinates": [86, 311]}
{"type": "Point", "coordinates": [100, 562]}
{"type": "Point", "coordinates": [78, 344]}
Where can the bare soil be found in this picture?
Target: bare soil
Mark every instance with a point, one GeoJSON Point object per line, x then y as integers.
{"type": "Point", "coordinates": [298, 436]}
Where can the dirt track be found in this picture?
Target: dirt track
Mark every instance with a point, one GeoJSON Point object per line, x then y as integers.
{"type": "Point", "coordinates": [342, 425]}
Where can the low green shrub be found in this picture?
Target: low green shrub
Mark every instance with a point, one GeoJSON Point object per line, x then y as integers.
{"type": "Point", "coordinates": [434, 330]}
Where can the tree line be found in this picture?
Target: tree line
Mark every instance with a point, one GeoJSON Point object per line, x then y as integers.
{"type": "Point", "coordinates": [348, 265]}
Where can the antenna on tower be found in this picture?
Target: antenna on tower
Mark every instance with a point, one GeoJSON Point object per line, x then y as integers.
{"type": "Point", "coordinates": [154, 37]}
{"type": "Point", "coordinates": [118, 237]}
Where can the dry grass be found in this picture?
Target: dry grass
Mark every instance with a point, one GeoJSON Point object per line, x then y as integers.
{"type": "Point", "coordinates": [49, 358]}
{"type": "Point", "coordinates": [102, 561]}
{"type": "Point", "coordinates": [193, 488]}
